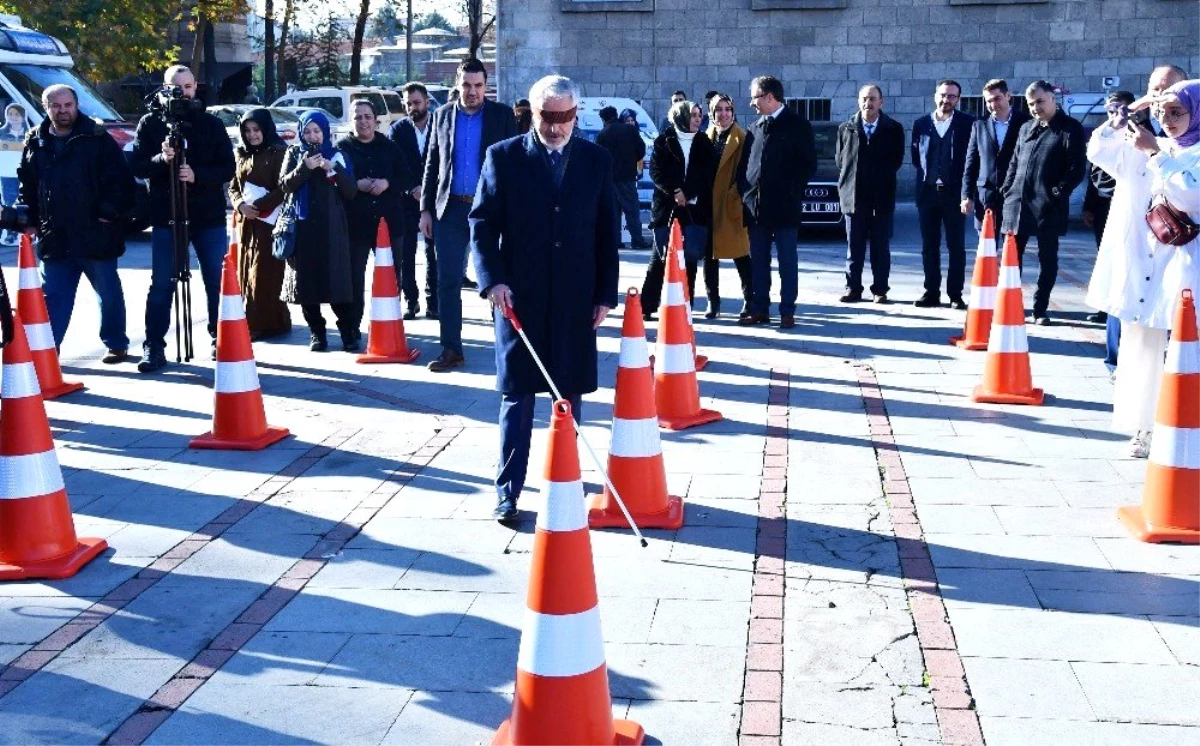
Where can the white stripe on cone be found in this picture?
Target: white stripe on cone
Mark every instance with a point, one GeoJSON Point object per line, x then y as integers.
{"type": "Point", "coordinates": [675, 358]}
{"type": "Point", "coordinates": [987, 246]}
{"type": "Point", "coordinates": [635, 438]}
{"type": "Point", "coordinates": [1178, 447]}
{"type": "Point", "coordinates": [20, 381]}
{"type": "Point", "coordinates": [33, 475]}
{"type": "Point", "coordinates": [236, 378]}
{"type": "Point", "coordinates": [675, 294]}
{"type": "Point", "coordinates": [561, 645]}
{"type": "Point", "coordinates": [1010, 277]}
{"type": "Point", "coordinates": [386, 308]}
{"type": "Point", "coordinates": [1182, 357]}
{"type": "Point", "coordinates": [1008, 339]}
{"type": "Point", "coordinates": [29, 279]}
{"type": "Point", "coordinates": [231, 308]}
{"type": "Point", "coordinates": [383, 257]}
{"type": "Point", "coordinates": [40, 336]}
{"type": "Point", "coordinates": [564, 508]}
{"type": "Point", "coordinates": [634, 353]}
{"type": "Point", "coordinates": [983, 297]}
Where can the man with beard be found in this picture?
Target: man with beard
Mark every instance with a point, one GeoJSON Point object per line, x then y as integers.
{"type": "Point", "coordinates": [412, 135]}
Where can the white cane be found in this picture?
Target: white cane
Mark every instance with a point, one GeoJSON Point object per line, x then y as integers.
{"type": "Point", "coordinates": [511, 315]}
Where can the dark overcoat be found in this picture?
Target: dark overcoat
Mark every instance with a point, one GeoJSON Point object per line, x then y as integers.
{"type": "Point", "coordinates": [867, 168]}
{"type": "Point", "coordinates": [556, 249]}
{"type": "Point", "coordinates": [320, 270]}
{"type": "Point", "coordinates": [1045, 169]}
{"type": "Point", "coordinates": [668, 173]}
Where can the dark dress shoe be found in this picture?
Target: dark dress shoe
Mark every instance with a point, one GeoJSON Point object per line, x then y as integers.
{"type": "Point", "coordinates": [317, 342]}
{"type": "Point", "coordinates": [647, 316]}
{"type": "Point", "coordinates": [1099, 317]}
{"type": "Point", "coordinates": [851, 298]}
{"type": "Point", "coordinates": [928, 301]}
{"type": "Point", "coordinates": [787, 322]}
{"type": "Point", "coordinates": [411, 313]}
{"type": "Point", "coordinates": [1042, 320]}
{"type": "Point", "coordinates": [881, 298]}
{"type": "Point", "coordinates": [506, 510]}
{"type": "Point", "coordinates": [112, 357]}
{"type": "Point", "coordinates": [350, 341]}
{"type": "Point", "coordinates": [754, 319]}
{"type": "Point", "coordinates": [152, 360]}
{"type": "Point", "coordinates": [431, 313]}
{"type": "Point", "coordinates": [469, 284]}
{"type": "Point", "coordinates": [957, 304]}
{"type": "Point", "coordinates": [447, 360]}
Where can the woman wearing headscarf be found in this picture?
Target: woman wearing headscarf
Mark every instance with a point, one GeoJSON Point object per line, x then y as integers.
{"type": "Point", "coordinates": [729, 238]}
{"type": "Point", "coordinates": [315, 176]}
{"type": "Point", "coordinates": [256, 197]}
{"type": "Point", "coordinates": [1143, 276]}
{"type": "Point", "coordinates": [681, 167]}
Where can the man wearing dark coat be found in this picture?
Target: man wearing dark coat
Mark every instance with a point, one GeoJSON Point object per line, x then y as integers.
{"type": "Point", "coordinates": [544, 234]}
{"type": "Point", "coordinates": [1049, 162]}
{"type": "Point", "coordinates": [870, 150]}
{"type": "Point", "coordinates": [989, 152]}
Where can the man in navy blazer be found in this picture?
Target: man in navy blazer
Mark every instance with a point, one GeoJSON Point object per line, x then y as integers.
{"type": "Point", "coordinates": [939, 155]}
{"type": "Point", "coordinates": [462, 132]}
{"type": "Point", "coordinates": [993, 142]}
{"type": "Point", "coordinates": [544, 233]}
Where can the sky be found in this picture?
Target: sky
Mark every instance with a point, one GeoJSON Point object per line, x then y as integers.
{"type": "Point", "coordinates": [309, 11]}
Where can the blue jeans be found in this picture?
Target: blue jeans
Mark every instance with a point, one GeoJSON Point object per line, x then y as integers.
{"type": "Point", "coordinates": [209, 244]}
{"type": "Point", "coordinates": [1112, 342]}
{"type": "Point", "coordinates": [516, 428]}
{"type": "Point", "coordinates": [60, 280]}
{"type": "Point", "coordinates": [451, 235]}
{"type": "Point", "coordinates": [760, 257]}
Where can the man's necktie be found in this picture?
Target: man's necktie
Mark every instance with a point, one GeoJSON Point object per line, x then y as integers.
{"type": "Point", "coordinates": [556, 169]}
{"type": "Point", "coordinates": [870, 128]}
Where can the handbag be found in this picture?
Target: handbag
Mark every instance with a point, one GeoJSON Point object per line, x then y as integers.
{"type": "Point", "coordinates": [695, 239]}
{"type": "Point", "coordinates": [1169, 225]}
{"type": "Point", "coordinates": [283, 235]}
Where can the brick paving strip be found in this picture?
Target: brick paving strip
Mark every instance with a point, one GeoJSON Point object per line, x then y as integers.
{"type": "Point", "coordinates": [958, 722]}
{"type": "Point", "coordinates": [762, 697]}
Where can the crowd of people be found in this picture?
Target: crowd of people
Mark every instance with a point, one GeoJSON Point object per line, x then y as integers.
{"type": "Point", "coordinates": [539, 210]}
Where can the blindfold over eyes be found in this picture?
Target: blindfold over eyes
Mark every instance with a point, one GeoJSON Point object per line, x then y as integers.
{"type": "Point", "coordinates": [558, 117]}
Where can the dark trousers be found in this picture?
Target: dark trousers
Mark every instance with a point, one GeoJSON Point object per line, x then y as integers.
{"type": "Point", "coordinates": [627, 200]}
{"type": "Point", "coordinates": [656, 272]}
{"type": "Point", "coordinates": [872, 227]}
{"type": "Point", "coordinates": [361, 247]}
{"type": "Point", "coordinates": [938, 210]}
{"type": "Point", "coordinates": [344, 312]}
{"type": "Point", "coordinates": [1048, 273]}
{"type": "Point", "coordinates": [408, 264]}
{"type": "Point", "coordinates": [1100, 218]}
{"type": "Point", "coordinates": [712, 282]}
{"type": "Point", "coordinates": [760, 257]}
{"type": "Point", "coordinates": [516, 429]}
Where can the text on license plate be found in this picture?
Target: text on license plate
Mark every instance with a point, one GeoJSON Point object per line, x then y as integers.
{"type": "Point", "coordinates": [821, 207]}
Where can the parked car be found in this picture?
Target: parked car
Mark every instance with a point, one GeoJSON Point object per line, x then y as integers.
{"type": "Point", "coordinates": [286, 123]}
{"type": "Point", "coordinates": [336, 103]}
{"type": "Point", "coordinates": [336, 127]}
{"type": "Point", "coordinates": [821, 206]}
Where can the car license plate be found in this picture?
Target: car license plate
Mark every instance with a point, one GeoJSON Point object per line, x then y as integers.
{"type": "Point", "coordinates": [821, 207]}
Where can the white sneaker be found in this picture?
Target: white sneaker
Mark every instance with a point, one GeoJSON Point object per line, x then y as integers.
{"type": "Point", "coordinates": [1139, 444]}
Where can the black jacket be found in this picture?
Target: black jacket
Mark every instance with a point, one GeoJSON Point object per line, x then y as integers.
{"type": "Point", "coordinates": [1045, 169]}
{"type": "Point", "coordinates": [209, 153]}
{"type": "Point", "coordinates": [987, 162]}
{"type": "Point", "coordinates": [781, 158]}
{"type": "Point", "coordinates": [404, 134]}
{"type": "Point", "coordinates": [960, 138]}
{"type": "Point", "coordinates": [498, 124]}
{"type": "Point", "coordinates": [667, 173]}
{"type": "Point", "coordinates": [379, 159]}
{"type": "Point", "coordinates": [867, 170]}
{"type": "Point", "coordinates": [624, 142]}
{"type": "Point", "coordinates": [69, 194]}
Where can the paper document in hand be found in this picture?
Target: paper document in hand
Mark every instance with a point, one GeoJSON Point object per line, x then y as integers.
{"type": "Point", "coordinates": [253, 193]}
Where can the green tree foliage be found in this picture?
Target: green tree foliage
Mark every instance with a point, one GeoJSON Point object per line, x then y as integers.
{"type": "Point", "coordinates": [433, 19]}
{"type": "Point", "coordinates": [387, 23]}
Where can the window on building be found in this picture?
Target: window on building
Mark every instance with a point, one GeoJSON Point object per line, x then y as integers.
{"type": "Point", "coordinates": [812, 109]}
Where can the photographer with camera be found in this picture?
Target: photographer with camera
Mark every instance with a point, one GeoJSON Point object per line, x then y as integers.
{"type": "Point", "coordinates": [187, 157]}
{"type": "Point", "coordinates": [77, 187]}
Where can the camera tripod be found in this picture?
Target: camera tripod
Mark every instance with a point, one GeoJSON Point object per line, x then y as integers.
{"type": "Point", "coordinates": [182, 277]}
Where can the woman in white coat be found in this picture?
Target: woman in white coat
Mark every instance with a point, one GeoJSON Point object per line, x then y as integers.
{"type": "Point", "coordinates": [1137, 278]}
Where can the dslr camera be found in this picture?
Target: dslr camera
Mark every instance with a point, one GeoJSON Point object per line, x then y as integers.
{"type": "Point", "coordinates": [170, 105]}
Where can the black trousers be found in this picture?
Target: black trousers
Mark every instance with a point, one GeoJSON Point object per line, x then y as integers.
{"type": "Point", "coordinates": [938, 209]}
{"type": "Point", "coordinates": [712, 281]}
{"type": "Point", "coordinates": [1048, 273]}
{"type": "Point", "coordinates": [407, 267]}
{"type": "Point", "coordinates": [344, 312]}
{"type": "Point", "coordinates": [1100, 219]}
{"type": "Point", "coordinates": [874, 228]}
{"type": "Point", "coordinates": [362, 243]}
{"type": "Point", "coordinates": [656, 272]}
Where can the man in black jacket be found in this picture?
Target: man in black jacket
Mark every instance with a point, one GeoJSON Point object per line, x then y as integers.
{"type": "Point", "coordinates": [939, 155]}
{"type": "Point", "coordinates": [78, 188]}
{"type": "Point", "coordinates": [990, 150]}
{"type": "Point", "coordinates": [385, 177]}
{"type": "Point", "coordinates": [781, 157]}
{"type": "Point", "coordinates": [1048, 164]}
{"type": "Point", "coordinates": [412, 135]}
{"type": "Point", "coordinates": [205, 167]}
{"type": "Point", "coordinates": [870, 150]}
{"type": "Point", "coordinates": [625, 144]}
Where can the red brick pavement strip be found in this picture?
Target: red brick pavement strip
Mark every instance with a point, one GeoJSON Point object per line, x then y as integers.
{"type": "Point", "coordinates": [952, 701]}
{"type": "Point", "coordinates": [171, 695]}
{"type": "Point", "coordinates": [762, 694]}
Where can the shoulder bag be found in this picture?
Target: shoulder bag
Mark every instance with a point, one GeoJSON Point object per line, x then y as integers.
{"type": "Point", "coordinates": [283, 244]}
{"type": "Point", "coordinates": [1169, 225]}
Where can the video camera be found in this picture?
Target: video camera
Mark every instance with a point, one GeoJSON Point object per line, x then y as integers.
{"type": "Point", "coordinates": [14, 218]}
{"type": "Point", "coordinates": [170, 105]}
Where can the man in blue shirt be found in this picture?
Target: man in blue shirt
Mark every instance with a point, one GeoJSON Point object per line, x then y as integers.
{"type": "Point", "coordinates": [461, 132]}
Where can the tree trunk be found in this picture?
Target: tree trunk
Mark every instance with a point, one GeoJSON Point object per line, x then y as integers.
{"type": "Point", "coordinates": [289, 12]}
{"type": "Point", "coordinates": [360, 29]}
{"type": "Point", "coordinates": [408, 68]}
{"type": "Point", "coordinates": [269, 52]}
{"type": "Point", "coordinates": [212, 76]}
{"type": "Point", "coordinates": [198, 46]}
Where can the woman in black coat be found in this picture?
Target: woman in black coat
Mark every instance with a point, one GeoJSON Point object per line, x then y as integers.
{"type": "Point", "coordinates": [682, 168]}
{"type": "Point", "coordinates": [316, 178]}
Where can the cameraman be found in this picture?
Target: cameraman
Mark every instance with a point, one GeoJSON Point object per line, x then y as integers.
{"type": "Point", "coordinates": [77, 186]}
{"type": "Point", "coordinates": [206, 164]}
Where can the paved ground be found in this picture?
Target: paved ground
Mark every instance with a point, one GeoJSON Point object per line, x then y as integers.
{"type": "Point", "coordinates": [859, 538]}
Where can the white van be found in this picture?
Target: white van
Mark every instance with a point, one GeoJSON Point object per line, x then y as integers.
{"type": "Point", "coordinates": [389, 107]}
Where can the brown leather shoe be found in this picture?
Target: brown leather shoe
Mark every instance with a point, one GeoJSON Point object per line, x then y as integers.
{"type": "Point", "coordinates": [787, 322]}
{"type": "Point", "coordinates": [447, 360]}
{"type": "Point", "coordinates": [754, 319]}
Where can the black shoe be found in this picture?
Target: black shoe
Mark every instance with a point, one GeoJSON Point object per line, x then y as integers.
{"type": "Point", "coordinates": [1042, 320]}
{"type": "Point", "coordinates": [714, 310]}
{"type": "Point", "coordinates": [317, 342]}
{"type": "Point", "coordinates": [506, 510]}
{"type": "Point", "coordinates": [214, 348]}
{"type": "Point", "coordinates": [152, 359]}
{"type": "Point", "coordinates": [1099, 317]}
{"type": "Point", "coordinates": [112, 357]}
{"type": "Point", "coordinates": [411, 313]}
{"type": "Point", "coordinates": [431, 313]}
{"type": "Point", "coordinates": [754, 319]}
{"type": "Point", "coordinates": [957, 304]}
{"type": "Point", "coordinates": [881, 298]}
{"type": "Point", "coordinates": [928, 301]}
{"type": "Point", "coordinates": [349, 342]}
{"type": "Point", "coordinates": [648, 316]}
{"type": "Point", "coordinates": [469, 284]}
{"type": "Point", "coordinates": [851, 297]}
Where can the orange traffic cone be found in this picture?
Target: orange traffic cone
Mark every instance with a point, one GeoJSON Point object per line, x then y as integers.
{"type": "Point", "coordinates": [676, 392]}
{"type": "Point", "coordinates": [562, 694]}
{"type": "Point", "coordinates": [31, 305]}
{"type": "Point", "coordinates": [37, 532]}
{"type": "Point", "coordinates": [983, 290]}
{"type": "Point", "coordinates": [1006, 375]}
{"type": "Point", "coordinates": [385, 341]}
{"type": "Point", "coordinates": [675, 246]}
{"type": "Point", "coordinates": [1170, 509]}
{"type": "Point", "coordinates": [239, 419]}
{"type": "Point", "coordinates": [233, 237]}
{"type": "Point", "coordinates": [635, 461]}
